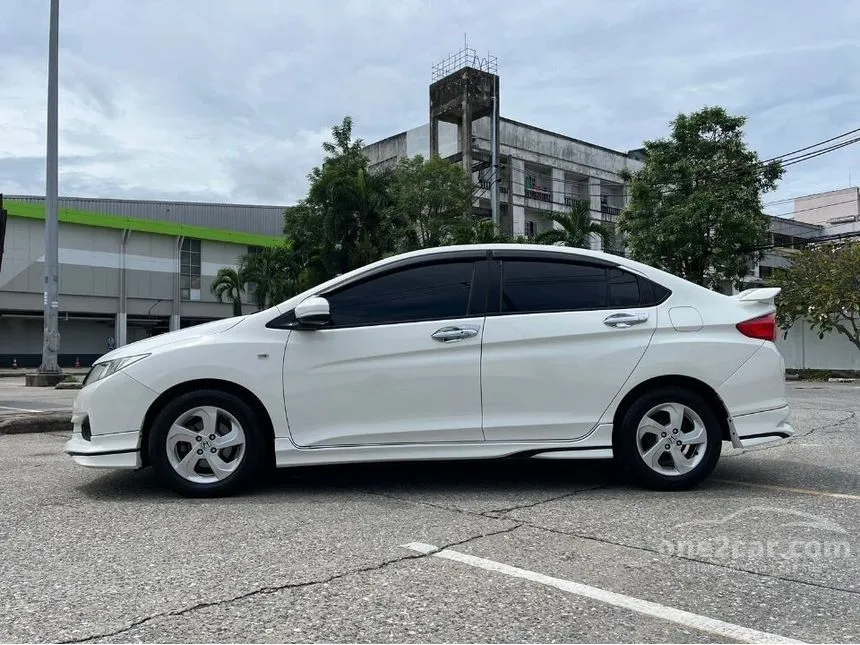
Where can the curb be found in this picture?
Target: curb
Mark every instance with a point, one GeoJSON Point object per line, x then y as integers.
{"type": "Point", "coordinates": [31, 423]}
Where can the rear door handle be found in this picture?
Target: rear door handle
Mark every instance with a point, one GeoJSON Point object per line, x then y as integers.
{"type": "Point", "coordinates": [623, 321]}
{"type": "Point", "coordinates": [450, 334]}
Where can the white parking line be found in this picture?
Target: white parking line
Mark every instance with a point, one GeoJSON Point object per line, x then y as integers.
{"type": "Point", "coordinates": [789, 489]}
{"type": "Point", "coordinates": [3, 407]}
{"type": "Point", "coordinates": [653, 609]}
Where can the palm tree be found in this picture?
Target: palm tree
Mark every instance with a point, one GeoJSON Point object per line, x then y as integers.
{"type": "Point", "coordinates": [274, 273]}
{"type": "Point", "coordinates": [577, 227]}
{"type": "Point", "coordinates": [229, 283]}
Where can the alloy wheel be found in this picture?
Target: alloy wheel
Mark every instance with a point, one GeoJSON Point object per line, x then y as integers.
{"type": "Point", "coordinates": [671, 439]}
{"type": "Point", "coordinates": [205, 444]}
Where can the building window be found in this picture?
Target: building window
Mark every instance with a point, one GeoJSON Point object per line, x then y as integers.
{"type": "Point", "coordinates": [189, 275]}
{"type": "Point", "coordinates": [531, 229]}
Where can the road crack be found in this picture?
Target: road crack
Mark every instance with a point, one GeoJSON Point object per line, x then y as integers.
{"type": "Point", "coordinates": [519, 523]}
{"type": "Point", "coordinates": [773, 576]}
{"type": "Point", "coordinates": [780, 444]}
{"type": "Point", "coordinates": [270, 589]}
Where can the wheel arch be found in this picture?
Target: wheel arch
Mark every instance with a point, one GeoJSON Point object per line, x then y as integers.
{"type": "Point", "coordinates": [185, 387]}
{"type": "Point", "coordinates": [676, 380]}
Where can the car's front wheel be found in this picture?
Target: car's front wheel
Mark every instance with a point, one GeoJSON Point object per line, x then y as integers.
{"type": "Point", "coordinates": [669, 439]}
{"type": "Point", "coordinates": [207, 443]}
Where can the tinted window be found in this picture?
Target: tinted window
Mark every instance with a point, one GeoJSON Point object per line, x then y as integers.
{"type": "Point", "coordinates": [532, 286]}
{"type": "Point", "coordinates": [623, 289]}
{"type": "Point", "coordinates": [429, 292]}
{"type": "Point", "coordinates": [652, 293]}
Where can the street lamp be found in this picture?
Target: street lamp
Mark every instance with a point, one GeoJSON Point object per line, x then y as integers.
{"type": "Point", "coordinates": [49, 371]}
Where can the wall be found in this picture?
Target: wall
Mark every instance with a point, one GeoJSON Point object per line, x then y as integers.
{"type": "Point", "coordinates": [80, 340]}
{"type": "Point", "coordinates": [264, 220]}
{"type": "Point", "coordinates": [822, 207]}
{"type": "Point", "coordinates": [802, 349]}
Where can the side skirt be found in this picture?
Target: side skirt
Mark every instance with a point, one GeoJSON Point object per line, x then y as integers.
{"type": "Point", "coordinates": [597, 445]}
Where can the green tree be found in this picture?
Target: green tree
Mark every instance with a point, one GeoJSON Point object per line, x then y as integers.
{"type": "Point", "coordinates": [341, 224]}
{"type": "Point", "coordinates": [695, 207]}
{"type": "Point", "coordinates": [577, 227]}
{"type": "Point", "coordinates": [229, 284]}
{"type": "Point", "coordinates": [479, 231]}
{"type": "Point", "coordinates": [431, 202]}
{"type": "Point", "coordinates": [823, 286]}
{"type": "Point", "coordinates": [274, 274]}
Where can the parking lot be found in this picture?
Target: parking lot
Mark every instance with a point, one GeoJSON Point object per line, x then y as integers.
{"type": "Point", "coordinates": [545, 551]}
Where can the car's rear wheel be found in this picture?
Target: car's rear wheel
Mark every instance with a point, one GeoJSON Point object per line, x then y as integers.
{"type": "Point", "coordinates": [669, 439]}
{"type": "Point", "coordinates": [207, 443]}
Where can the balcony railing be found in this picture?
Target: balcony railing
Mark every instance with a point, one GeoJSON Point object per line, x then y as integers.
{"type": "Point", "coordinates": [487, 184]}
{"type": "Point", "coordinates": [572, 200]}
{"type": "Point", "coordinates": [540, 195]}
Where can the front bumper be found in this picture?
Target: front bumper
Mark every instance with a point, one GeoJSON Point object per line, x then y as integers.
{"type": "Point", "coordinates": [115, 450]}
{"type": "Point", "coordinates": [107, 418]}
{"type": "Point", "coordinates": [758, 428]}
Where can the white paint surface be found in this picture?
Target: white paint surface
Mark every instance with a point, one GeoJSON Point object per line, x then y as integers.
{"type": "Point", "coordinates": [729, 631]}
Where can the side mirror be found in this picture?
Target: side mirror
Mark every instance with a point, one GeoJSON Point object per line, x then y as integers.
{"type": "Point", "coordinates": [313, 312]}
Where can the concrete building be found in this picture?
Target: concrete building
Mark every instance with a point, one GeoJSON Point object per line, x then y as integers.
{"type": "Point", "coordinates": [539, 171]}
{"type": "Point", "coordinates": [128, 270]}
{"type": "Point", "coordinates": [831, 208]}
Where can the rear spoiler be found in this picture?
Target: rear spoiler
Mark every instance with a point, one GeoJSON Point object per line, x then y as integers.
{"type": "Point", "coordinates": [761, 294]}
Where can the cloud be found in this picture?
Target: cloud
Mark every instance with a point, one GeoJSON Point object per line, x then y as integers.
{"type": "Point", "coordinates": [230, 100]}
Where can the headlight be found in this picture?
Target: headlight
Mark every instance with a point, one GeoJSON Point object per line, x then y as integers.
{"type": "Point", "coordinates": [103, 370]}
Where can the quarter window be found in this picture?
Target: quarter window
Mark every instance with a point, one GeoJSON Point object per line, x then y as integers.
{"type": "Point", "coordinates": [429, 292]}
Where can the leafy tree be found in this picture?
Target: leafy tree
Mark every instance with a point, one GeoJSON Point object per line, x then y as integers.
{"type": "Point", "coordinates": [431, 202]}
{"type": "Point", "coordinates": [823, 286]}
{"type": "Point", "coordinates": [577, 227]}
{"type": "Point", "coordinates": [479, 231]}
{"type": "Point", "coordinates": [695, 207]}
{"type": "Point", "coordinates": [229, 284]}
{"type": "Point", "coordinates": [341, 225]}
{"type": "Point", "coordinates": [274, 272]}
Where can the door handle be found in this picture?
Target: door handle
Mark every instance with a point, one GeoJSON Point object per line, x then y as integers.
{"type": "Point", "coordinates": [449, 334]}
{"type": "Point", "coordinates": [622, 321]}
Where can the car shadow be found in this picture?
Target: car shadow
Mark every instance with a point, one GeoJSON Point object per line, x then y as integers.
{"type": "Point", "coordinates": [514, 476]}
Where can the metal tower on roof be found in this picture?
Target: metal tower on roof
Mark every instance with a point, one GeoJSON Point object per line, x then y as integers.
{"type": "Point", "coordinates": [464, 88]}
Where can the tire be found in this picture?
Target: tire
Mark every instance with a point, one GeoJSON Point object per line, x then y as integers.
{"type": "Point", "coordinates": [655, 415]}
{"type": "Point", "coordinates": [185, 456]}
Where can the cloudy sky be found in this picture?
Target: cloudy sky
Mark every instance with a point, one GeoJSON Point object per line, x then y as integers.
{"type": "Point", "coordinates": [229, 100]}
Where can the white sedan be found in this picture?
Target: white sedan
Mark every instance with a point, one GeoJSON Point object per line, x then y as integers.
{"type": "Point", "coordinates": [464, 352]}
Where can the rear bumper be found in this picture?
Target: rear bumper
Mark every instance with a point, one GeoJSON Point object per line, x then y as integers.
{"type": "Point", "coordinates": [758, 428]}
{"type": "Point", "coordinates": [114, 450]}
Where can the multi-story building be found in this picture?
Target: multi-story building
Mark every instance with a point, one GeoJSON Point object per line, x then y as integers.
{"type": "Point", "coordinates": [539, 171]}
{"type": "Point", "coordinates": [832, 215]}
{"type": "Point", "coordinates": [128, 269]}
{"type": "Point", "coordinates": [830, 208]}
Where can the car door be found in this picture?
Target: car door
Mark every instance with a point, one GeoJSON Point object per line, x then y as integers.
{"type": "Point", "coordinates": [399, 362]}
{"type": "Point", "coordinates": [560, 339]}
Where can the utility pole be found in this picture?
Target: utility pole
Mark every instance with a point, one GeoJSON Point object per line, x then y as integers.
{"type": "Point", "coordinates": [51, 340]}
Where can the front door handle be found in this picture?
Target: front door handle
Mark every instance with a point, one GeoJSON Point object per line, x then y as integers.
{"type": "Point", "coordinates": [623, 321]}
{"type": "Point", "coordinates": [450, 334]}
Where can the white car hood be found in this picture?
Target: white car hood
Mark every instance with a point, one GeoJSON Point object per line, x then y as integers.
{"type": "Point", "coordinates": [147, 345]}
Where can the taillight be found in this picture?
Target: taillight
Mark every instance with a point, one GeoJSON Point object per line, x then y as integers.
{"type": "Point", "coordinates": [763, 327]}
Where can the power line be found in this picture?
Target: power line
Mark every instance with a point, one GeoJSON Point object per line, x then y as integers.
{"type": "Point", "coordinates": [814, 145]}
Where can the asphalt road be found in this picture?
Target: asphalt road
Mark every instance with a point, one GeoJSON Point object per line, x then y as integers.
{"type": "Point", "coordinates": [15, 397]}
{"type": "Point", "coordinates": [535, 551]}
